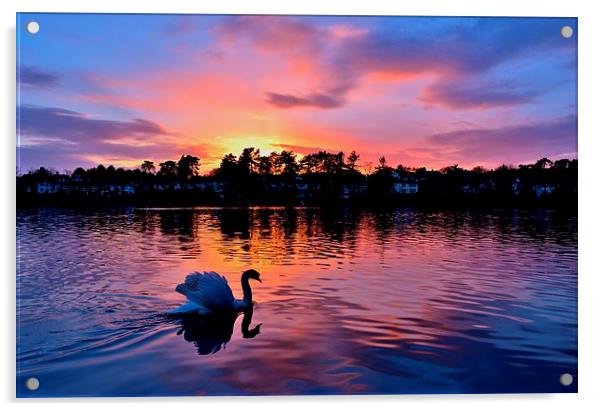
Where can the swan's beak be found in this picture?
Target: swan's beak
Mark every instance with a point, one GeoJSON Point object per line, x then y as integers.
{"type": "Point", "coordinates": [259, 279]}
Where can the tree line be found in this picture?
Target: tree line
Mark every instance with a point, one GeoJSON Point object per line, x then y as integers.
{"type": "Point", "coordinates": [283, 175]}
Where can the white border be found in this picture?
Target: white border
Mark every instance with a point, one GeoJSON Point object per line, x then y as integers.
{"type": "Point", "coordinates": [590, 138]}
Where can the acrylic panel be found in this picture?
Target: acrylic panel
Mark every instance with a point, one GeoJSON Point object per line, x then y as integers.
{"type": "Point", "coordinates": [289, 205]}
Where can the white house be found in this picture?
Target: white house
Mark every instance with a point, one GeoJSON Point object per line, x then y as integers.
{"type": "Point", "coordinates": [406, 187]}
{"type": "Point", "coordinates": [48, 188]}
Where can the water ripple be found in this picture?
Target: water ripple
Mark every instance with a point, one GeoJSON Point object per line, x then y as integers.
{"type": "Point", "coordinates": [351, 301]}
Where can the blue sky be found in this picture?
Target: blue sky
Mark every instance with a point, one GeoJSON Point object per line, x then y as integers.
{"type": "Point", "coordinates": [120, 89]}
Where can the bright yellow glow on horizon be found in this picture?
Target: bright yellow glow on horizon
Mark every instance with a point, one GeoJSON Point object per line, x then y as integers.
{"type": "Point", "coordinates": [265, 144]}
{"type": "Point", "coordinates": [115, 162]}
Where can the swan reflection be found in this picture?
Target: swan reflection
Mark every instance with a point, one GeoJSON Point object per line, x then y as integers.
{"type": "Point", "coordinates": [211, 333]}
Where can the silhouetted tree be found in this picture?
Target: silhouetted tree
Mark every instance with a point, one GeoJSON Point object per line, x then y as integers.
{"type": "Point", "coordinates": [352, 160]}
{"type": "Point", "coordinates": [265, 166]}
{"type": "Point", "coordinates": [402, 171]}
{"type": "Point", "coordinates": [148, 166]}
{"type": "Point", "coordinates": [381, 181]}
{"type": "Point", "coordinates": [251, 178]}
{"type": "Point", "coordinates": [561, 164]}
{"type": "Point", "coordinates": [382, 164]}
{"type": "Point", "coordinates": [168, 168]}
{"type": "Point", "coordinates": [287, 164]}
{"type": "Point", "coordinates": [79, 174]}
{"type": "Point", "coordinates": [248, 161]}
{"type": "Point", "coordinates": [543, 163]}
{"type": "Point", "coordinates": [228, 167]}
{"type": "Point", "coordinates": [336, 163]}
{"type": "Point", "coordinates": [188, 166]}
{"type": "Point", "coordinates": [309, 164]}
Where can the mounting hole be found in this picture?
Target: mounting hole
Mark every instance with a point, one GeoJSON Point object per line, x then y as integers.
{"type": "Point", "coordinates": [566, 32]}
{"type": "Point", "coordinates": [32, 384]}
{"type": "Point", "coordinates": [566, 379]}
{"type": "Point", "coordinates": [33, 27]}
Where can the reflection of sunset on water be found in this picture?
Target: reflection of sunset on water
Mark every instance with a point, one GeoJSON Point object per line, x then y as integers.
{"type": "Point", "coordinates": [347, 298]}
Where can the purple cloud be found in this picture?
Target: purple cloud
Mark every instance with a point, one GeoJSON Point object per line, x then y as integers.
{"type": "Point", "coordinates": [527, 141]}
{"type": "Point", "coordinates": [462, 50]}
{"type": "Point", "coordinates": [471, 94]}
{"type": "Point", "coordinates": [332, 98]}
{"type": "Point", "coordinates": [53, 136]}
{"type": "Point", "coordinates": [310, 100]}
{"type": "Point", "coordinates": [36, 78]}
{"type": "Point", "coordinates": [458, 56]}
{"type": "Point", "coordinates": [78, 128]}
{"type": "Point", "coordinates": [275, 33]}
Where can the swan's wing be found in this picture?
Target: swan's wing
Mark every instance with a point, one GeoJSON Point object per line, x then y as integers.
{"type": "Point", "coordinates": [209, 290]}
{"type": "Point", "coordinates": [187, 308]}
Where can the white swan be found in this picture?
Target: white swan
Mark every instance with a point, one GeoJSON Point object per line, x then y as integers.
{"type": "Point", "coordinates": [209, 292]}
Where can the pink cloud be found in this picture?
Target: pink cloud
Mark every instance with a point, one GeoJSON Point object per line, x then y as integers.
{"type": "Point", "coordinates": [272, 33]}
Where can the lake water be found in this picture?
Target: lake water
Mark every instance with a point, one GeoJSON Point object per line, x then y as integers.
{"type": "Point", "coordinates": [352, 302]}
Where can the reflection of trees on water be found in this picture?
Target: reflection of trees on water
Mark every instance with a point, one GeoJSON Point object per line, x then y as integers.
{"type": "Point", "coordinates": [144, 223]}
{"type": "Point", "coordinates": [280, 235]}
{"type": "Point", "coordinates": [166, 227]}
{"type": "Point", "coordinates": [262, 233]}
{"type": "Point", "coordinates": [183, 226]}
{"type": "Point", "coordinates": [180, 223]}
{"type": "Point", "coordinates": [523, 225]}
{"type": "Point", "coordinates": [235, 222]}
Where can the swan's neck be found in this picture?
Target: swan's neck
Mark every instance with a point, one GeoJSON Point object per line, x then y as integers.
{"type": "Point", "coordinates": [247, 294]}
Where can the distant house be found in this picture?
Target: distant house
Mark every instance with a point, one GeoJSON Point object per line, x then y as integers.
{"type": "Point", "coordinates": [405, 185]}
{"type": "Point", "coordinates": [486, 186]}
{"type": "Point", "coordinates": [302, 188]}
{"type": "Point", "coordinates": [516, 186]}
{"type": "Point", "coordinates": [115, 189]}
{"type": "Point", "coordinates": [48, 188]}
{"type": "Point", "coordinates": [543, 189]}
{"type": "Point", "coordinates": [477, 188]}
{"type": "Point", "coordinates": [405, 188]}
{"type": "Point", "coordinates": [278, 186]}
{"type": "Point", "coordinates": [215, 186]}
{"type": "Point", "coordinates": [161, 187]}
{"type": "Point", "coordinates": [352, 190]}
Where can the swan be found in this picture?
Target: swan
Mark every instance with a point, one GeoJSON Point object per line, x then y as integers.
{"type": "Point", "coordinates": [208, 292]}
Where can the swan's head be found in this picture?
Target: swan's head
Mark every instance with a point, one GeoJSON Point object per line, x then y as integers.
{"type": "Point", "coordinates": [252, 275]}
{"type": "Point", "coordinates": [252, 332]}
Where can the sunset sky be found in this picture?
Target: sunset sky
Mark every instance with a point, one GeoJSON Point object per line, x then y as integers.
{"type": "Point", "coordinates": [119, 89]}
